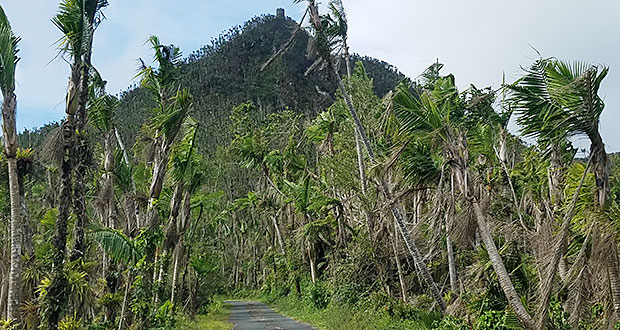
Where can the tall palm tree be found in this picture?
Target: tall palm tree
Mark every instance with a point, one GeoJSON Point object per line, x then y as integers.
{"type": "Point", "coordinates": [76, 20]}
{"type": "Point", "coordinates": [555, 100]}
{"type": "Point", "coordinates": [8, 62]}
{"type": "Point", "coordinates": [430, 117]}
{"type": "Point", "coordinates": [173, 107]}
{"type": "Point", "coordinates": [324, 51]}
{"type": "Point", "coordinates": [92, 19]}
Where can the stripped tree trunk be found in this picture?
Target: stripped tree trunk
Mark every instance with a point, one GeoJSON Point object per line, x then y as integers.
{"type": "Point", "coordinates": [399, 268]}
{"type": "Point", "coordinates": [9, 133]}
{"type": "Point", "coordinates": [451, 262]}
{"type": "Point", "coordinates": [312, 262]}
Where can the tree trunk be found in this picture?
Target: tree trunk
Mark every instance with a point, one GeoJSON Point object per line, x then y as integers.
{"type": "Point", "coordinates": [312, 263]}
{"type": "Point", "coordinates": [28, 244]}
{"type": "Point", "coordinates": [178, 256]}
{"type": "Point", "coordinates": [278, 235]}
{"type": "Point", "coordinates": [498, 265]}
{"type": "Point", "coordinates": [10, 147]}
{"type": "Point", "coordinates": [399, 268]}
{"type": "Point", "coordinates": [16, 244]}
{"type": "Point", "coordinates": [600, 169]}
{"type": "Point", "coordinates": [130, 203]}
{"type": "Point", "coordinates": [121, 319]}
{"type": "Point", "coordinates": [451, 261]}
{"type": "Point", "coordinates": [82, 152]}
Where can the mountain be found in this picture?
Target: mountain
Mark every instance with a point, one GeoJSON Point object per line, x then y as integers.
{"type": "Point", "coordinates": [227, 72]}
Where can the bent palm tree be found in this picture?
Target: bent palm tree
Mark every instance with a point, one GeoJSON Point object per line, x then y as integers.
{"type": "Point", "coordinates": [428, 118]}
{"type": "Point", "coordinates": [8, 62]}
{"type": "Point", "coordinates": [554, 100]}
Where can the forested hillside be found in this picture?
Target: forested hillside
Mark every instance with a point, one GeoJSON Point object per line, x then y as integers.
{"type": "Point", "coordinates": [272, 164]}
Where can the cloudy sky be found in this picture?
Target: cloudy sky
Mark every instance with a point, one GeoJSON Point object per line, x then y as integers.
{"type": "Point", "coordinates": [477, 40]}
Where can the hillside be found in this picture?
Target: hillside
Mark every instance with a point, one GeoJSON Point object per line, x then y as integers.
{"type": "Point", "coordinates": [227, 72]}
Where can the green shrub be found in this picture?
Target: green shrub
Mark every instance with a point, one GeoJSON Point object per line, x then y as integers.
{"type": "Point", "coordinates": [450, 323]}
{"type": "Point", "coordinates": [317, 295]}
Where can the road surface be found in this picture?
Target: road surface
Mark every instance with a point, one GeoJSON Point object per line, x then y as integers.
{"type": "Point", "coordinates": [251, 315]}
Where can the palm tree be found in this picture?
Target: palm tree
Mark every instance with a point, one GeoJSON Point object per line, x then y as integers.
{"type": "Point", "coordinates": [8, 62]}
{"type": "Point", "coordinates": [76, 20]}
{"type": "Point", "coordinates": [429, 117]}
{"type": "Point", "coordinates": [556, 100]}
{"type": "Point", "coordinates": [92, 18]}
{"type": "Point", "coordinates": [173, 107]}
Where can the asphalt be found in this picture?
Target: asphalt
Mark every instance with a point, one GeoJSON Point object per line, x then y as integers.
{"type": "Point", "coordinates": [251, 315]}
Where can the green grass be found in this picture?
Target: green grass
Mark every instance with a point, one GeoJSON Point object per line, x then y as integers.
{"type": "Point", "coordinates": [215, 319]}
{"type": "Point", "coordinates": [343, 317]}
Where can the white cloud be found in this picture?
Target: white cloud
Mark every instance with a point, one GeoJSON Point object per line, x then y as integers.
{"type": "Point", "coordinates": [480, 40]}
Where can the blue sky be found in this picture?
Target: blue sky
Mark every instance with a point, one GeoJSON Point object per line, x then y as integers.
{"type": "Point", "coordinates": [478, 40]}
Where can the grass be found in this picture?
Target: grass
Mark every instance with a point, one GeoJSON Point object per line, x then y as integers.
{"type": "Point", "coordinates": [215, 319]}
{"type": "Point", "coordinates": [343, 317]}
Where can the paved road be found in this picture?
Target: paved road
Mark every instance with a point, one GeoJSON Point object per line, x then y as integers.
{"type": "Point", "coordinates": [250, 315]}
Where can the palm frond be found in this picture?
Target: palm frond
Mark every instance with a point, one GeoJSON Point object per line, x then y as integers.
{"type": "Point", "coordinates": [8, 54]}
{"type": "Point", "coordinates": [120, 247]}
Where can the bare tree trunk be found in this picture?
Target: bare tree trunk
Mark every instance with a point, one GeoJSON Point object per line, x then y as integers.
{"type": "Point", "coordinates": [15, 283]}
{"type": "Point", "coordinates": [132, 208]}
{"type": "Point", "coordinates": [451, 262]}
{"type": "Point", "coordinates": [178, 256]}
{"type": "Point", "coordinates": [9, 134]}
{"type": "Point", "coordinates": [121, 318]}
{"type": "Point", "coordinates": [278, 235]}
{"type": "Point", "coordinates": [312, 263]}
{"type": "Point", "coordinates": [399, 268]}
{"type": "Point", "coordinates": [502, 274]}
{"type": "Point", "coordinates": [4, 288]}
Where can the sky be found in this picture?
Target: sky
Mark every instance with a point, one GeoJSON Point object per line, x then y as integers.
{"type": "Point", "coordinates": [478, 41]}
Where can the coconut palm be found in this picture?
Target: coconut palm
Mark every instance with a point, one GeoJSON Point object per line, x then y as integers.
{"type": "Point", "coordinates": [8, 62]}
{"type": "Point", "coordinates": [430, 117]}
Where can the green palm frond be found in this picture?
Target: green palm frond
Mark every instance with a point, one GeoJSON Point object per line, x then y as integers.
{"type": "Point", "coordinates": [120, 247]}
{"type": "Point", "coordinates": [422, 116]}
{"type": "Point", "coordinates": [76, 19]}
{"type": "Point", "coordinates": [556, 99]}
{"type": "Point", "coordinates": [8, 55]}
{"type": "Point", "coordinates": [101, 112]}
{"type": "Point", "coordinates": [171, 119]}
{"type": "Point", "coordinates": [183, 152]}
{"type": "Point", "coordinates": [168, 60]}
{"type": "Point", "coordinates": [420, 164]}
